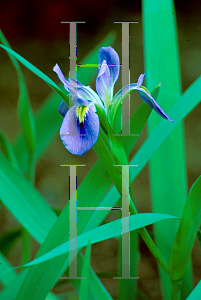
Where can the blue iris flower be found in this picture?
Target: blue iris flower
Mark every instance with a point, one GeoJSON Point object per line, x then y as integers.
{"type": "Point", "coordinates": [82, 117]}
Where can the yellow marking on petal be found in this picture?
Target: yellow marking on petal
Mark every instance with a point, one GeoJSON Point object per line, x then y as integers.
{"type": "Point", "coordinates": [81, 113]}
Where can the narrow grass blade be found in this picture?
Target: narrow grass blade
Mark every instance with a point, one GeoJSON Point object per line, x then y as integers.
{"type": "Point", "coordinates": [167, 167]}
{"type": "Point", "coordinates": [52, 270]}
{"type": "Point", "coordinates": [7, 150]}
{"type": "Point", "coordinates": [24, 202]}
{"type": "Point", "coordinates": [90, 189]}
{"type": "Point", "coordinates": [196, 293]}
{"type": "Point", "coordinates": [6, 277]}
{"type": "Point", "coordinates": [127, 288]}
{"type": "Point", "coordinates": [36, 72]}
{"type": "Point", "coordinates": [84, 286]}
{"type": "Point", "coordinates": [186, 234]}
{"type": "Point", "coordinates": [102, 149]}
{"type": "Point", "coordinates": [103, 232]}
{"type": "Point", "coordinates": [116, 147]}
{"type": "Point", "coordinates": [25, 112]}
{"type": "Point", "coordinates": [12, 281]}
{"type": "Point", "coordinates": [96, 289]}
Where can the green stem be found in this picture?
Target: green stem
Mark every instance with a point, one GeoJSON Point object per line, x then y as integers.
{"type": "Point", "coordinates": [176, 289]}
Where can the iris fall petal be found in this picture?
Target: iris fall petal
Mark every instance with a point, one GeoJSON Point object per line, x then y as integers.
{"type": "Point", "coordinates": [82, 136]}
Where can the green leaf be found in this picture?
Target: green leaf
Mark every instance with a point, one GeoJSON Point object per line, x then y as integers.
{"type": "Point", "coordinates": [117, 148]}
{"type": "Point", "coordinates": [186, 103]}
{"type": "Point", "coordinates": [6, 276]}
{"type": "Point", "coordinates": [186, 234]}
{"type": "Point", "coordinates": [96, 289]}
{"type": "Point", "coordinates": [24, 201]}
{"type": "Point", "coordinates": [103, 232]}
{"type": "Point", "coordinates": [84, 286]}
{"type": "Point", "coordinates": [7, 150]}
{"type": "Point", "coordinates": [167, 166]}
{"type": "Point", "coordinates": [137, 123]}
{"type": "Point", "coordinates": [196, 293]}
{"type": "Point", "coordinates": [24, 107]}
{"type": "Point", "coordinates": [37, 72]}
{"type": "Point", "coordinates": [102, 117]}
{"type": "Point", "coordinates": [102, 148]}
{"type": "Point", "coordinates": [87, 187]}
{"type": "Point", "coordinates": [9, 278]}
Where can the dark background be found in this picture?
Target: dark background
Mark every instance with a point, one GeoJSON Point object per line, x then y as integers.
{"type": "Point", "coordinates": [34, 31]}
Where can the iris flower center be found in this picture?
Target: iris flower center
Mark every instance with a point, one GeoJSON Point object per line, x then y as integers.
{"type": "Point", "coordinates": [81, 113]}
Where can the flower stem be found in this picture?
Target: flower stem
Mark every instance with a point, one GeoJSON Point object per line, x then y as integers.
{"type": "Point", "coordinates": [175, 289]}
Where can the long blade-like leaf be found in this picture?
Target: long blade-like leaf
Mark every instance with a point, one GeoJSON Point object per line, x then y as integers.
{"type": "Point", "coordinates": [103, 232]}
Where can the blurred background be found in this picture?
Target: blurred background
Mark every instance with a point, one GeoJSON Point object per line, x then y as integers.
{"type": "Point", "coordinates": [34, 31]}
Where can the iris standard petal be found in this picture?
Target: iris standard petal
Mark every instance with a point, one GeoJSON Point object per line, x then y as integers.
{"type": "Point", "coordinates": [112, 59]}
{"type": "Point", "coordinates": [103, 83]}
{"type": "Point", "coordinates": [108, 73]}
{"type": "Point", "coordinates": [82, 136]}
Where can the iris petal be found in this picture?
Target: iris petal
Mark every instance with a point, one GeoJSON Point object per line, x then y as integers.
{"type": "Point", "coordinates": [103, 82]}
{"type": "Point", "coordinates": [83, 102]}
{"type": "Point", "coordinates": [82, 136]}
{"type": "Point", "coordinates": [152, 102]}
{"type": "Point", "coordinates": [140, 80]}
{"type": "Point", "coordinates": [61, 77]}
{"type": "Point", "coordinates": [76, 88]}
{"type": "Point", "coordinates": [63, 108]}
{"type": "Point", "coordinates": [108, 73]}
{"type": "Point", "coordinates": [112, 59]}
{"type": "Point", "coordinates": [144, 94]}
{"type": "Point", "coordinates": [87, 93]}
